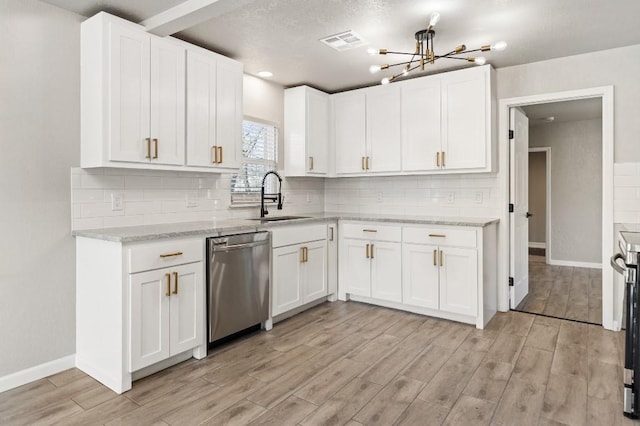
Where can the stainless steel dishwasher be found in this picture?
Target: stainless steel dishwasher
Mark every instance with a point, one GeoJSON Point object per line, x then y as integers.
{"type": "Point", "coordinates": [237, 283]}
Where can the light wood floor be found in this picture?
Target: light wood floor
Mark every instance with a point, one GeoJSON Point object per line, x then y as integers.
{"type": "Point", "coordinates": [350, 363]}
{"type": "Point", "coordinates": [563, 292]}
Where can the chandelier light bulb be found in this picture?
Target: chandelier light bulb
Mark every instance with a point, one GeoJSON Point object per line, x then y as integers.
{"type": "Point", "coordinates": [374, 69]}
{"type": "Point", "coordinates": [501, 45]}
{"type": "Point", "coordinates": [435, 17]}
{"type": "Point", "coordinates": [384, 81]}
{"type": "Point", "coordinates": [371, 51]}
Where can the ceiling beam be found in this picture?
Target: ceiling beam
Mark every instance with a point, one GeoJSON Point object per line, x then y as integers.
{"type": "Point", "coordinates": [188, 14]}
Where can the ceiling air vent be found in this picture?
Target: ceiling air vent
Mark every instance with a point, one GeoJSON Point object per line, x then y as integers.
{"type": "Point", "coordinates": [344, 41]}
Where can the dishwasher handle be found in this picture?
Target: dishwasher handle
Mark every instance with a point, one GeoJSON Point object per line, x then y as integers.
{"type": "Point", "coordinates": [614, 263]}
{"type": "Point", "coordinates": [225, 247]}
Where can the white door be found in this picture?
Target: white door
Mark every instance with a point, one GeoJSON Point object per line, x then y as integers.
{"type": "Point", "coordinates": [420, 275]}
{"type": "Point", "coordinates": [229, 113]}
{"type": "Point", "coordinates": [314, 271]}
{"type": "Point", "coordinates": [357, 275]}
{"type": "Point", "coordinates": [464, 100]}
{"type": "Point", "coordinates": [167, 102]}
{"type": "Point", "coordinates": [317, 132]}
{"type": "Point", "coordinates": [287, 289]}
{"type": "Point", "coordinates": [383, 129]}
{"type": "Point", "coordinates": [386, 271]}
{"type": "Point", "coordinates": [201, 109]}
{"type": "Point", "coordinates": [421, 124]}
{"type": "Point", "coordinates": [519, 195]}
{"type": "Point", "coordinates": [349, 114]}
{"type": "Point", "coordinates": [129, 137]}
{"type": "Point", "coordinates": [187, 308]}
{"type": "Point", "coordinates": [149, 317]}
{"type": "Point", "coordinates": [458, 280]}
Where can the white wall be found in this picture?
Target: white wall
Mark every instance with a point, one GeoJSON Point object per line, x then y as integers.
{"type": "Point", "coordinates": [537, 196]}
{"type": "Point", "coordinates": [39, 141]}
{"type": "Point", "coordinates": [576, 188]}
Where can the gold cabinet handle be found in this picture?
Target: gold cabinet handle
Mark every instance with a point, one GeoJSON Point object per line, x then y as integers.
{"type": "Point", "coordinates": [367, 162]}
{"type": "Point", "coordinates": [367, 251]}
{"type": "Point", "coordinates": [220, 149]}
{"type": "Point", "coordinates": [168, 277]}
{"type": "Point", "coordinates": [331, 233]}
{"type": "Point", "coordinates": [175, 277]}
{"type": "Point", "coordinates": [214, 154]}
{"type": "Point", "coordinates": [155, 144]}
{"type": "Point", "coordinates": [362, 164]}
{"type": "Point", "coordinates": [310, 163]}
{"type": "Point", "coordinates": [372, 251]}
{"type": "Point", "coordinates": [369, 230]}
{"type": "Point", "coordinates": [443, 164]}
{"type": "Point", "coordinates": [175, 253]}
{"type": "Point", "coordinates": [148, 148]}
{"type": "Point", "coordinates": [435, 262]}
{"type": "Point", "coordinates": [437, 159]}
{"type": "Point", "coordinates": [441, 261]}
{"type": "Point", "coordinates": [301, 254]}
{"type": "Point", "coordinates": [437, 235]}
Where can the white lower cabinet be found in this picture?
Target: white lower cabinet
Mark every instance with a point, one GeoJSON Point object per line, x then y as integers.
{"type": "Point", "coordinates": [299, 273]}
{"type": "Point", "coordinates": [420, 276]}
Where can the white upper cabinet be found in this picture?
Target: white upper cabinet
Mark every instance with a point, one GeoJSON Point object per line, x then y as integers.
{"type": "Point", "coordinates": [134, 111]}
{"type": "Point", "coordinates": [383, 129]}
{"type": "Point", "coordinates": [349, 120]}
{"type": "Point", "coordinates": [214, 110]}
{"type": "Point", "coordinates": [306, 131]}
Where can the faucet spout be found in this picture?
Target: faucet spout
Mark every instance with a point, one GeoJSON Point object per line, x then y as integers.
{"type": "Point", "coordinates": [270, 197]}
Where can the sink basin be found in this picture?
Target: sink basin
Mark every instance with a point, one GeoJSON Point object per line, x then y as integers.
{"type": "Point", "coordinates": [278, 218]}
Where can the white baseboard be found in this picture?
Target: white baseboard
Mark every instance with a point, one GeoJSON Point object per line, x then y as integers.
{"type": "Point", "coordinates": [575, 264]}
{"type": "Point", "coordinates": [38, 372]}
{"type": "Point", "coordinates": [537, 245]}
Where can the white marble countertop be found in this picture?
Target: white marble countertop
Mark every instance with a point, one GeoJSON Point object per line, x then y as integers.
{"type": "Point", "coordinates": [214, 228]}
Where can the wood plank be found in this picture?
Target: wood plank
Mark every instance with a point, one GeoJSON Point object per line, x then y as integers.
{"type": "Point", "coordinates": [423, 413]}
{"type": "Point", "coordinates": [506, 348]}
{"type": "Point", "coordinates": [470, 410]}
{"type": "Point", "coordinates": [453, 336]}
{"type": "Point", "coordinates": [383, 371]}
{"type": "Point", "coordinates": [94, 397]}
{"type": "Point", "coordinates": [66, 377]}
{"type": "Point", "coordinates": [427, 363]}
{"type": "Point", "coordinates": [522, 401]}
{"type": "Point", "coordinates": [270, 369]}
{"type": "Point", "coordinates": [390, 402]}
{"type": "Point", "coordinates": [604, 380]}
{"type": "Point", "coordinates": [489, 380]}
{"type": "Point", "coordinates": [566, 400]}
{"type": "Point", "coordinates": [542, 337]}
{"type": "Point", "coordinates": [49, 415]}
{"type": "Point", "coordinates": [288, 413]}
{"type": "Point", "coordinates": [533, 365]}
{"type": "Point", "coordinates": [519, 324]}
{"type": "Point", "coordinates": [375, 349]}
{"type": "Point", "coordinates": [330, 380]}
{"type": "Point", "coordinates": [570, 360]}
{"type": "Point", "coordinates": [240, 413]}
{"type": "Point", "coordinates": [102, 413]}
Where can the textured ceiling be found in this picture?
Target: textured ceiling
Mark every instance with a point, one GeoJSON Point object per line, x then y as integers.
{"type": "Point", "coordinates": [582, 109]}
{"type": "Point", "coordinates": [282, 35]}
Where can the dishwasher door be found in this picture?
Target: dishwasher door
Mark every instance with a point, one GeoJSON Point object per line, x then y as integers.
{"type": "Point", "coordinates": [237, 283]}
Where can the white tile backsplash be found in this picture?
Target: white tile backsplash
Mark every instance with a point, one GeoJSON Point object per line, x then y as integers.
{"type": "Point", "coordinates": [626, 194]}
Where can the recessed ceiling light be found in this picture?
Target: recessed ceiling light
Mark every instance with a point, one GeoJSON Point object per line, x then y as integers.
{"type": "Point", "coordinates": [265, 74]}
{"type": "Point", "coordinates": [548, 119]}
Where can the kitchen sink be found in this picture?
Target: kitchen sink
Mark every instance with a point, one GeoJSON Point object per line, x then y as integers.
{"type": "Point", "coordinates": [278, 218]}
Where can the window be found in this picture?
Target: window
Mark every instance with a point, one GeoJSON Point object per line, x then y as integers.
{"type": "Point", "coordinates": [259, 155]}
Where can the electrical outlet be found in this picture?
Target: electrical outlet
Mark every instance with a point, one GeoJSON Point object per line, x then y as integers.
{"type": "Point", "coordinates": [192, 199]}
{"type": "Point", "coordinates": [379, 197]}
{"type": "Point", "coordinates": [117, 201]}
{"type": "Point", "coordinates": [478, 197]}
{"type": "Point", "coordinates": [451, 198]}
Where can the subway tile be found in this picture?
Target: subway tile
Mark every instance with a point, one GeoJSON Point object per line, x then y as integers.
{"type": "Point", "coordinates": [87, 195]}
{"type": "Point", "coordinates": [89, 223]}
{"type": "Point", "coordinates": [88, 181]}
{"type": "Point", "coordinates": [89, 210]}
{"type": "Point", "coordinates": [119, 221]}
{"type": "Point", "coordinates": [626, 169]}
{"type": "Point", "coordinates": [626, 193]}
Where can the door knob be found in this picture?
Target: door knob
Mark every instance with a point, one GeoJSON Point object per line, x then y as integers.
{"type": "Point", "coordinates": [529, 215]}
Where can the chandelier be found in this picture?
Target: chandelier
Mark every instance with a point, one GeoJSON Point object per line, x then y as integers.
{"type": "Point", "coordinates": [424, 53]}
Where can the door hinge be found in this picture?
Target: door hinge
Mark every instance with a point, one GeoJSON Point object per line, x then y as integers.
{"type": "Point", "coordinates": [510, 281]}
{"type": "Point", "coordinates": [511, 136]}
{"type": "Point", "coordinates": [510, 208]}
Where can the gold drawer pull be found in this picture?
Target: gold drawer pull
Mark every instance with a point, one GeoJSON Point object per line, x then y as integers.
{"type": "Point", "coordinates": [362, 164]}
{"type": "Point", "coordinates": [443, 164]}
{"type": "Point", "coordinates": [148, 148]}
{"type": "Point", "coordinates": [331, 233]}
{"type": "Point", "coordinates": [220, 148]}
{"type": "Point", "coordinates": [369, 230]}
{"type": "Point", "coordinates": [168, 277]}
{"type": "Point", "coordinates": [215, 154]}
{"type": "Point", "coordinates": [176, 253]}
{"type": "Point", "coordinates": [310, 163]}
{"type": "Point", "coordinates": [175, 277]}
{"type": "Point", "coordinates": [435, 256]}
{"type": "Point", "coordinates": [372, 251]}
{"type": "Point", "coordinates": [155, 144]}
{"type": "Point", "coordinates": [437, 159]}
{"type": "Point", "coordinates": [437, 235]}
{"type": "Point", "coordinates": [368, 251]}
{"type": "Point", "coordinates": [367, 162]}
{"type": "Point", "coordinates": [441, 262]}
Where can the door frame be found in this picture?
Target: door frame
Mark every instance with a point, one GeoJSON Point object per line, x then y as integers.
{"type": "Point", "coordinates": [547, 226]}
{"type": "Point", "coordinates": [606, 94]}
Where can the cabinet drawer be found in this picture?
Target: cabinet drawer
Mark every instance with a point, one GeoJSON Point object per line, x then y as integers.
{"type": "Point", "coordinates": [288, 235]}
{"type": "Point", "coordinates": [148, 256]}
{"type": "Point", "coordinates": [372, 232]}
{"type": "Point", "coordinates": [439, 236]}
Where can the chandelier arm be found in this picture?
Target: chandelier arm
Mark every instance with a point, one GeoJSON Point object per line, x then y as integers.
{"type": "Point", "coordinates": [402, 53]}
{"type": "Point", "coordinates": [401, 63]}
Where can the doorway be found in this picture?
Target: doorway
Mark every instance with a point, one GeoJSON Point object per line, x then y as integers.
{"type": "Point", "coordinates": [610, 311]}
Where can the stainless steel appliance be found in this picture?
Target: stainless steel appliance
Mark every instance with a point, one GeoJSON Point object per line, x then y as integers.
{"type": "Point", "coordinates": [629, 243]}
{"type": "Point", "coordinates": [237, 283]}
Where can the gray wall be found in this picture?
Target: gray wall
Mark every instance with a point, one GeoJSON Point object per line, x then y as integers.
{"type": "Point", "coordinates": [576, 188]}
{"type": "Point", "coordinates": [537, 196]}
{"type": "Point", "coordinates": [40, 141]}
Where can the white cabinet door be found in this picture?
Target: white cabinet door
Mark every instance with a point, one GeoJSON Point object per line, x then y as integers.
{"type": "Point", "coordinates": [386, 271]}
{"type": "Point", "coordinates": [421, 124]}
{"type": "Point", "coordinates": [317, 132]}
{"type": "Point", "coordinates": [129, 94]}
{"type": "Point", "coordinates": [465, 118]}
{"type": "Point", "coordinates": [229, 113]}
{"type": "Point", "coordinates": [383, 129]}
{"type": "Point", "coordinates": [420, 275]}
{"type": "Point", "coordinates": [287, 288]}
{"type": "Point", "coordinates": [314, 271]}
{"type": "Point", "coordinates": [201, 109]}
{"type": "Point", "coordinates": [458, 280]}
{"type": "Point", "coordinates": [187, 308]}
{"type": "Point", "coordinates": [167, 102]}
{"type": "Point", "coordinates": [149, 304]}
{"type": "Point", "coordinates": [349, 115]}
{"type": "Point", "coordinates": [357, 267]}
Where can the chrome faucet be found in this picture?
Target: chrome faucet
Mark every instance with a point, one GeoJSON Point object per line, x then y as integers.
{"type": "Point", "coordinates": [270, 197]}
